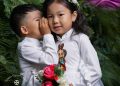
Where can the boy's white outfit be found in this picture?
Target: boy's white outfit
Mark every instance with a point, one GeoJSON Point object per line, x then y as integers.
{"type": "Point", "coordinates": [82, 64]}
{"type": "Point", "coordinates": [34, 55]}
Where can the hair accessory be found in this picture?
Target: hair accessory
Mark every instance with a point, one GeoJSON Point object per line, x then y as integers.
{"type": "Point", "coordinates": [74, 1]}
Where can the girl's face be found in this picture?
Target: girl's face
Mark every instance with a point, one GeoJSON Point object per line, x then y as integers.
{"type": "Point", "coordinates": [60, 18]}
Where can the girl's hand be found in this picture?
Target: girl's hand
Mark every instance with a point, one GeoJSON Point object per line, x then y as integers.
{"type": "Point", "coordinates": [44, 27]}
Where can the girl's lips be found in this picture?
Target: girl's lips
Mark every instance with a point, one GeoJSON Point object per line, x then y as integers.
{"type": "Point", "coordinates": [57, 27]}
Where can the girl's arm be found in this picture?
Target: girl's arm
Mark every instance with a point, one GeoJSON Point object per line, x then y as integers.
{"type": "Point", "coordinates": [89, 65]}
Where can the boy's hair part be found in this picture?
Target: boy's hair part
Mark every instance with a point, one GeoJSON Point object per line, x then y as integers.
{"type": "Point", "coordinates": [18, 14]}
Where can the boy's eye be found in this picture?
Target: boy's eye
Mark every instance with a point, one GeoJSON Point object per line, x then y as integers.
{"type": "Point", "coordinates": [37, 19]}
{"type": "Point", "coordinates": [49, 16]}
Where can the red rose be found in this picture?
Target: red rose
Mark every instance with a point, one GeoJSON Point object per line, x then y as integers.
{"type": "Point", "coordinates": [56, 77]}
{"type": "Point", "coordinates": [47, 83]}
{"type": "Point", "coordinates": [49, 72]}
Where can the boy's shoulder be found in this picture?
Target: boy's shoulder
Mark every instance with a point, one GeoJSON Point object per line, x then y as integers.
{"type": "Point", "coordinates": [29, 42]}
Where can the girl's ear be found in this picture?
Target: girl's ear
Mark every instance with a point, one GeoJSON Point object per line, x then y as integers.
{"type": "Point", "coordinates": [24, 30]}
{"type": "Point", "coordinates": [74, 16]}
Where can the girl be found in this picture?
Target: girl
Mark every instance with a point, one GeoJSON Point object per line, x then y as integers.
{"type": "Point", "coordinates": [69, 27]}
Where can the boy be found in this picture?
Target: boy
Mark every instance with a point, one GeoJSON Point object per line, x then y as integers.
{"type": "Point", "coordinates": [27, 22]}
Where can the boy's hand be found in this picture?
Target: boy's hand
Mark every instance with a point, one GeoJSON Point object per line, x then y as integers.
{"type": "Point", "coordinates": [44, 27]}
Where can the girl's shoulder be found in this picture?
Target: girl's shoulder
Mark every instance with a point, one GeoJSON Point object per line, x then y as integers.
{"type": "Point", "coordinates": [82, 40]}
{"type": "Point", "coordinates": [80, 37]}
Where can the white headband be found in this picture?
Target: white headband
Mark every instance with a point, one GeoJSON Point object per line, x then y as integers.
{"type": "Point", "coordinates": [73, 1]}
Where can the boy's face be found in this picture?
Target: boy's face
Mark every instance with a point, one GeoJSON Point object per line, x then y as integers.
{"type": "Point", "coordinates": [60, 18]}
{"type": "Point", "coordinates": [31, 24]}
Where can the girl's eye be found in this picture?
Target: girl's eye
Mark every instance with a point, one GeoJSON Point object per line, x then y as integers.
{"type": "Point", "coordinates": [61, 14]}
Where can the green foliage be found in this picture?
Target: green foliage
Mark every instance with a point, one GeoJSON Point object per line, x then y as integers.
{"type": "Point", "coordinates": [111, 74]}
{"type": "Point", "coordinates": [106, 40]}
{"type": "Point", "coordinates": [10, 4]}
{"type": "Point", "coordinates": [9, 66]}
{"type": "Point", "coordinates": [59, 71]}
{"type": "Point", "coordinates": [8, 56]}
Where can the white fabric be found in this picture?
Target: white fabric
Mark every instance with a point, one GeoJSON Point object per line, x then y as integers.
{"type": "Point", "coordinates": [74, 1]}
{"type": "Point", "coordinates": [34, 55]}
{"type": "Point", "coordinates": [82, 64]}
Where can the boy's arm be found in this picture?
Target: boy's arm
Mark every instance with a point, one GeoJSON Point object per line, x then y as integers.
{"type": "Point", "coordinates": [45, 55]}
{"type": "Point", "coordinates": [48, 54]}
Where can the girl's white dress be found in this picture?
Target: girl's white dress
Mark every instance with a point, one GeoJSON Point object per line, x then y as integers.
{"type": "Point", "coordinates": [34, 55]}
{"type": "Point", "coordinates": [82, 64]}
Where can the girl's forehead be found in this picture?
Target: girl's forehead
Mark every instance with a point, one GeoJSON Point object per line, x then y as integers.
{"type": "Point", "coordinates": [57, 7]}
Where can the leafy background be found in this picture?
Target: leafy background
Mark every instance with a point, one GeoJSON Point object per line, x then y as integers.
{"type": "Point", "coordinates": [105, 37]}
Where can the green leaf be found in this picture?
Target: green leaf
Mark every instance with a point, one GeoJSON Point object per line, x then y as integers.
{"type": "Point", "coordinates": [3, 60]}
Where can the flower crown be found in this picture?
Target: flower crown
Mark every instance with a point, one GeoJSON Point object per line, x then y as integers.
{"type": "Point", "coordinates": [74, 1]}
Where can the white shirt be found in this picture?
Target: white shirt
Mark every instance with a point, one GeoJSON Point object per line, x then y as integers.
{"type": "Point", "coordinates": [82, 64]}
{"type": "Point", "coordinates": [34, 55]}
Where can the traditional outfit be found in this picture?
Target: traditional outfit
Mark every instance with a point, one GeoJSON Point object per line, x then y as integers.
{"type": "Point", "coordinates": [82, 64]}
{"type": "Point", "coordinates": [34, 55]}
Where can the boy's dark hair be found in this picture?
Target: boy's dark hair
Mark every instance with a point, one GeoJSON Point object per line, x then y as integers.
{"type": "Point", "coordinates": [80, 25]}
{"type": "Point", "coordinates": [18, 14]}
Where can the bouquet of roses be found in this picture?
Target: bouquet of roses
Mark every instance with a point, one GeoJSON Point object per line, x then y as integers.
{"type": "Point", "coordinates": [52, 75]}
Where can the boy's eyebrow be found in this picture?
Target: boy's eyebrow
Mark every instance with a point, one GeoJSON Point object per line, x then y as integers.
{"type": "Point", "coordinates": [36, 18]}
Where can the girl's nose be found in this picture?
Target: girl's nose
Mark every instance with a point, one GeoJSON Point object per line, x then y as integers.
{"type": "Point", "coordinates": [56, 20]}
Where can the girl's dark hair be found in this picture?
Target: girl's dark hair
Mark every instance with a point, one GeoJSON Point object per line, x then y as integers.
{"type": "Point", "coordinates": [80, 25]}
{"type": "Point", "coordinates": [18, 14]}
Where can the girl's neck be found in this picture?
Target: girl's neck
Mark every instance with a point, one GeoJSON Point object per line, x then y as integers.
{"type": "Point", "coordinates": [60, 35]}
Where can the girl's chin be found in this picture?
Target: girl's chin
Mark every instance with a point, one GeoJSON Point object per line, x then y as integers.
{"type": "Point", "coordinates": [60, 35]}
{"type": "Point", "coordinates": [58, 32]}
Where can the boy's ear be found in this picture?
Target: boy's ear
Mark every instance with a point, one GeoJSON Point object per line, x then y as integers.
{"type": "Point", "coordinates": [24, 30]}
{"type": "Point", "coordinates": [74, 16]}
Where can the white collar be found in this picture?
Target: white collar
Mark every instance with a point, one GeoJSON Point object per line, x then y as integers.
{"type": "Point", "coordinates": [65, 36]}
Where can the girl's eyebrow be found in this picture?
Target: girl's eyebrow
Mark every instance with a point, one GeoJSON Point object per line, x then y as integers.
{"type": "Point", "coordinates": [56, 12]}
{"type": "Point", "coordinates": [60, 11]}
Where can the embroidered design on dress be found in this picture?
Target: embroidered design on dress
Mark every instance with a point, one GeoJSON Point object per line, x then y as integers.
{"type": "Point", "coordinates": [62, 53]}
